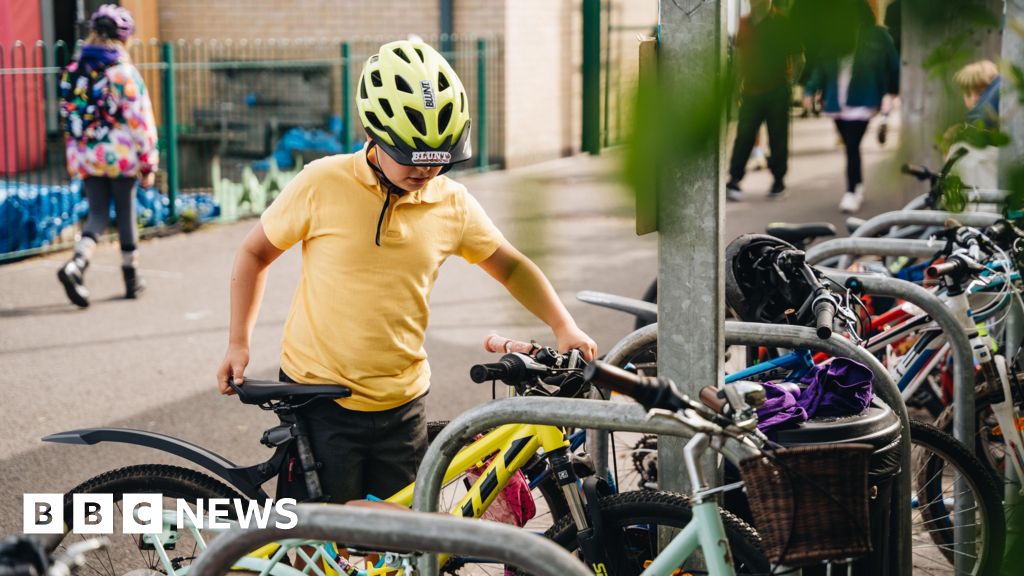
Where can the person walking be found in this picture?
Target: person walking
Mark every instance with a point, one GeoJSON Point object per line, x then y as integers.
{"type": "Point", "coordinates": [854, 81]}
{"type": "Point", "coordinates": [375, 228]}
{"type": "Point", "coordinates": [111, 144]}
{"type": "Point", "coordinates": [767, 52]}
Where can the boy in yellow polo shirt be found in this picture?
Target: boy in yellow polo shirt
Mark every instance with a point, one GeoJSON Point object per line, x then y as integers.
{"type": "Point", "coordinates": [375, 227]}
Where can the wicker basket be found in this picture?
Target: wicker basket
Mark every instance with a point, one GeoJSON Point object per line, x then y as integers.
{"type": "Point", "coordinates": [811, 503]}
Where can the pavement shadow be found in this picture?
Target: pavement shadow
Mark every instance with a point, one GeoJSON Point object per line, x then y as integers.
{"type": "Point", "coordinates": [54, 309]}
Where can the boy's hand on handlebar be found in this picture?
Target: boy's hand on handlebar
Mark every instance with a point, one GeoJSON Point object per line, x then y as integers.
{"type": "Point", "coordinates": [571, 337]}
{"type": "Point", "coordinates": [233, 366]}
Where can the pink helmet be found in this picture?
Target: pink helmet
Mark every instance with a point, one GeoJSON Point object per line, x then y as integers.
{"type": "Point", "coordinates": [113, 21]}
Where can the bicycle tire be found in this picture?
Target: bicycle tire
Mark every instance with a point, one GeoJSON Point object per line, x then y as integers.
{"type": "Point", "coordinates": [932, 451]}
{"type": "Point", "coordinates": [636, 513]}
{"type": "Point", "coordinates": [124, 553]}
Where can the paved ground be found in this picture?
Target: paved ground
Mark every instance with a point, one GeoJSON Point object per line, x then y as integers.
{"type": "Point", "coordinates": [150, 363]}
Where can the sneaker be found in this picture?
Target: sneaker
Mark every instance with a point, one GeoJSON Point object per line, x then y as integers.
{"type": "Point", "coordinates": [759, 160]}
{"type": "Point", "coordinates": [851, 201]}
{"type": "Point", "coordinates": [778, 191]}
{"type": "Point", "coordinates": [72, 276]}
{"type": "Point", "coordinates": [733, 192]}
{"type": "Point", "coordinates": [133, 283]}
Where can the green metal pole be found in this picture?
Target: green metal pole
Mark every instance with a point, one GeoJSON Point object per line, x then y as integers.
{"type": "Point", "coordinates": [608, 73]}
{"type": "Point", "coordinates": [482, 161]}
{"type": "Point", "coordinates": [591, 76]}
{"type": "Point", "coordinates": [346, 96]}
{"type": "Point", "coordinates": [170, 130]}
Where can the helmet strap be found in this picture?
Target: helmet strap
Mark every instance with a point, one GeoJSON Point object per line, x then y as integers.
{"type": "Point", "coordinates": [386, 183]}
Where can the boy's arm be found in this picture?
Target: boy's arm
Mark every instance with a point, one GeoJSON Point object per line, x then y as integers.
{"type": "Point", "coordinates": [248, 279]}
{"type": "Point", "coordinates": [527, 284]}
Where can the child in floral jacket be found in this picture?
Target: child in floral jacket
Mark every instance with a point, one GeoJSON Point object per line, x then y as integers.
{"type": "Point", "coordinates": [111, 142]}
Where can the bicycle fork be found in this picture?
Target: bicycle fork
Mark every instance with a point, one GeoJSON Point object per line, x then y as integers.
{"type": "Point", "coordinates": [586, 516]}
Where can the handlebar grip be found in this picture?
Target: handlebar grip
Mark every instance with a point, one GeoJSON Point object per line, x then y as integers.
{"type": "Point", "coordinates": [944, 269]}
{"type": "Point", "coordinates": [650, 392]}
{"type": "Point", "coordinates": [481, 373]}
{"type": "Point", "coordinates": [500, 344]}
{"type": "Point", "coordinates": [824, 318]}
{"type": "Point", "coordinates": [709, 396]}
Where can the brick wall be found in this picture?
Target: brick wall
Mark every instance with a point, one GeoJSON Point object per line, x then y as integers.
{"type": "Point", "coordinates": [239, 19]}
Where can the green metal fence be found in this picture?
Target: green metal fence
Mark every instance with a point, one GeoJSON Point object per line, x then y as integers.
{"type": "Point", "coordinates": [223, 107]}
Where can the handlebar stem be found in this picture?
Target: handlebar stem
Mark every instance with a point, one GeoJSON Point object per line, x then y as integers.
{"type": "Point", "coordinates": [692, 452]}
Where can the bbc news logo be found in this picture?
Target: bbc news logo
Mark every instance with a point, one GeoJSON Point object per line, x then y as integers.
{"type": "Point", "coordinates": [145, 513]}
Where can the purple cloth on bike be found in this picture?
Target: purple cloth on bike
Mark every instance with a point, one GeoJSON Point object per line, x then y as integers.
{"type": "Point", "coordinates": [780, 408]}
{"type": "Point", "coordinates": [841, 387]}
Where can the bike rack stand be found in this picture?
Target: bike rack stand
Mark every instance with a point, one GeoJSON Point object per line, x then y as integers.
{"type": "Point", "coordinates": [398, 530]}
{"type": "Point", "coordinates": [882, 222]}
{"type": "Point", "coordinates": [595, 414]}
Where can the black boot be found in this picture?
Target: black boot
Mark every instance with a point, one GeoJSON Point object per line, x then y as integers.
{"type": "Point", "coordinates": [133, 283]}
{"type": "Point", "coordinates": [72, 276]}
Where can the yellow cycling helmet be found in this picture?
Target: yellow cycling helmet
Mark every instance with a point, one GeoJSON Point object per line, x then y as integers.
{"type": "Point", "coordinates": [413, 105]}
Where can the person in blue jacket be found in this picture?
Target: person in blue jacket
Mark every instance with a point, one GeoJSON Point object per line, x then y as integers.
{"type": "Point", "coordinates": [854, 80]}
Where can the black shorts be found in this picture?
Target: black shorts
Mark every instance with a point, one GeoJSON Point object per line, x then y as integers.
{"type": "Point", "coordinates": [360, 453]}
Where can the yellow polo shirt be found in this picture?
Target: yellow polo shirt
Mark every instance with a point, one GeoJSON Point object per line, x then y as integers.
{"type": "Point", "coordinates": [360, 311]}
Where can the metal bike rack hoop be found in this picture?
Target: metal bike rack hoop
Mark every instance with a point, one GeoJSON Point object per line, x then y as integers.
{"type": "Point", "coordinates": [397, 530]}
{"type": "Point", "coordinates": [591, 414]}
{"type": "Point", "coordinates": [974, 196]}
{"type": "Point", "coordinates": [883, 222]}
{"type": "Point", "coordinates": [872, 247]}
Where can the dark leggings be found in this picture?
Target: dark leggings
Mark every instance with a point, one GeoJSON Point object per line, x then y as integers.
{"type": "Point", "coordinates": [852, 132]}
{"type": "Point", "coordinates": [99, 191]}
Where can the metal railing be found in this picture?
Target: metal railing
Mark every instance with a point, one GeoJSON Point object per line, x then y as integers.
{"type": "Point", "coordinates": [224, 109]}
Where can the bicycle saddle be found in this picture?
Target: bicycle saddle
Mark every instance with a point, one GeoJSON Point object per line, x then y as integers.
{"type": "Point", "coordinates": [800, 234]}
{"type": "Point", "coordinates": [263, 391]}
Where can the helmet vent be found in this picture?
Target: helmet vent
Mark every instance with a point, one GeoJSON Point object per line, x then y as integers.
{"type": "Point", "coordinates": [386, 106]}
{"type": "Point", "coordinates": [462, 103]}
{"type": "Point", "coordinates": [420, 54]}
{"type": "Point", "coordinates": [444, 117]}
{"type": "Point", "coordinates": [375, 121]}
{"type": "Point", "coordinates": [402, 85]}
{"type": "Point", "coordinates": [401, 54]}
{"type": "Point", "coordinates": [417, 120]}
{"type": "Point", "coordinates": [442, 82]}
{"type": "Point", "coordinates": [362, 89]}
{"type": "Point", "coordinates": [375, 78]}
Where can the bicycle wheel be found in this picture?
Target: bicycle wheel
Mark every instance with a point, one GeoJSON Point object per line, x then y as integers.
{"type": "Point", "coordinates": [126, 552]}
{"type": "Point", "coordinates": [631, 521]}
{"type": "Point", "coordinates": [936, 459]}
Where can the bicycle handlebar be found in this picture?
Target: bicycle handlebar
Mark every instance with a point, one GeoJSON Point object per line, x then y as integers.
{"type": "Point", "coordinates": [949, 268]}
{"type": "Point", "coordinates": [920, 172]}
{"type": "Point", "coordinates": [496, 343]}
{"type": "Point", "coordinates": [649, 392]}
{"type": "Point", "coordinates": [824, 317]}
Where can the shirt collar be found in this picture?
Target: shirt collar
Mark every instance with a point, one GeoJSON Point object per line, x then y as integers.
{"type": "Point", "coordinates": [365, 175]}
